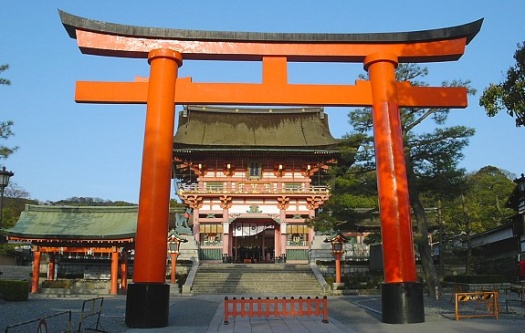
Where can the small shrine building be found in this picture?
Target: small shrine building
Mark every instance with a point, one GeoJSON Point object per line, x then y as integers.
{"type": "Point", "coordinates": [82, 240]}
{"type": "Point", "coordinates": [252, 179]}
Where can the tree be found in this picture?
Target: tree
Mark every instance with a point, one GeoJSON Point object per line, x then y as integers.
{"type": "Point", "coordinates": [349, 189]}
{"type": "Point", "coordinates": [485, 193]}
{"type": "Point", "coordinates": [90, 201]}
{"type": "Point", "coordinates": [510, 94]}
{"type": "Point", "coordinates": [13, 190]}
{"type": "Point", "coordinates": [5, 126]}
{"type": "Point", "coordinates": [480, 207]}
{"type": "Point", "coordinates": [431, 159]}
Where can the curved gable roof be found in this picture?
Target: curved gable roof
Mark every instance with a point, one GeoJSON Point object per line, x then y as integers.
{"type": "Point", "coordinates": [76, 223]}
{"type": "Point", "coordinates": [220, 127]}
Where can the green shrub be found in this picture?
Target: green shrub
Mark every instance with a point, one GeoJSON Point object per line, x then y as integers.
{"type": "Point", "coordinates": [14, 290]}
{"type": "Point", "coordinates": [330, 280]}
{"type": "Point", "coordinates": [66, 284]}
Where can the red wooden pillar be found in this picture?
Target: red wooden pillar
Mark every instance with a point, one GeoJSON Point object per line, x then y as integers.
{"type": "Point", "coordinates": [173, 276]}
{"type": "Point", "coordinates": [51, 267]}
{"type": "Point", "coordinates": [147, 304]}
{"type": "Point", "coordinates": [338, 268]}
{"type": "Point", "coordinates": [36, 270]}
{"type": "Point", "coordinates": [402, 295]}
{"type": "Point", "coordinates": [277, 243]}
{"type": "Point", "coordinates": [114, 272]}
{"type": "Point", "coordinates": [124, 270]}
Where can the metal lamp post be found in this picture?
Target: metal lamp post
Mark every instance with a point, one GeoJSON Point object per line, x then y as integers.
{"type": "Point", "coordinates": [337, 251]}
{"type": "Point", "coordinates": [521, 188]}
{"type": "Point", "coordinates": [174, 249]}
{"type": "Point", "coordinates": [4, 181]}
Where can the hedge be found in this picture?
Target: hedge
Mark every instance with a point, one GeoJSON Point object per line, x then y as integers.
{"type": "Point", "coordinates": [14, 290]}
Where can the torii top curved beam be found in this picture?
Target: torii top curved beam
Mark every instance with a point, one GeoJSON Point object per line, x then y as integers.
{"type": "Point", "coordinates": [109, 39]}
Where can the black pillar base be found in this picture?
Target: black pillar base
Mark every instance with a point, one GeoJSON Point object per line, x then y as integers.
{"type": "Point", "coordinates": [402, 303]}
{"type": "Point", "coordinates": [147, 305]}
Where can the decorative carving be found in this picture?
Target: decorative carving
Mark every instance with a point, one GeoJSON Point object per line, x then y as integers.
{"type": "Point", "coordinates": [254, 209]}
{"type": "Point", "coordinates": [283, 202]}
{"type": "Point", "coordinates": [226, 201]}
{"type": "Point", "coordinates": [194, 201]}
{"type": "Point", "coordinates": [309, 170]}
{"type": "Point", "coordinates": [315, 201]}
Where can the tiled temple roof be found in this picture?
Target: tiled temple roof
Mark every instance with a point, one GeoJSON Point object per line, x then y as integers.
{"type": "Point", "coordinates": [283, 129]}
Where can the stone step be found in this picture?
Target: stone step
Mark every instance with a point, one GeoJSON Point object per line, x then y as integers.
{"type": "Point", "coordinates": [258, 279]}
{"type": "Point", "coordinates": [255, 285]}
{"type": "Point", "coordinates": [253, 277]}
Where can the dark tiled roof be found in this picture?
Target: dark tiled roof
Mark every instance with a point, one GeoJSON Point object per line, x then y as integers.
{"type": "Point", "coordinates": [213, 128]}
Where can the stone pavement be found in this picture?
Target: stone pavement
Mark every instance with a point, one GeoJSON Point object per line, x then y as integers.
{"type": "Point", "coordinates": [203, 314]}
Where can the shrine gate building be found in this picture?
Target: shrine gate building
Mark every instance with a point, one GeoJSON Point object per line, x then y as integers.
{"type": "Point", "coordinates": [252, 178]}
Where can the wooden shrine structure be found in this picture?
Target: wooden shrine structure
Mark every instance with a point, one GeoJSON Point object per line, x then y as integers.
{"type": "Point", "coordinates": [147, 303]}
{"type": "Point", "coordinates": [78, 230]}
{"type": "Point", "coordinates": [254, 179]}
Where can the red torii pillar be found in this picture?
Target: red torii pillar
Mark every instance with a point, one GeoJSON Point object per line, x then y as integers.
{"type": "Point", "coordinates": [147, 302]}
{"type": "Point", "coordinates": [399, 264]}
{"type": "Point", "coordinates": [148, 296]}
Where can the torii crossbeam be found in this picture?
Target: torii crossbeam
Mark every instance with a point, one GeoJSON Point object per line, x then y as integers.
{"type": "Point", "coordinates": [147, 303]}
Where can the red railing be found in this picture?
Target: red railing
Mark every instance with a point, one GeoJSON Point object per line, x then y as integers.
{"type": "Point", "coordinates": [285, 307]}
{"type": "Point", "coordinates": [241, 188]}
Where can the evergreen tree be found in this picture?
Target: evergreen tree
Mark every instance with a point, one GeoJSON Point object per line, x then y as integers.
{"type": "Point", "coordinates": [5, 126]}
{"type": "Point", "coordinates": [510, 94]}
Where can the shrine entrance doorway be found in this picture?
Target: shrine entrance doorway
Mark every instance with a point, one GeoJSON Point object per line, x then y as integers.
{"type": "Point", "coordinates": [253, 241]}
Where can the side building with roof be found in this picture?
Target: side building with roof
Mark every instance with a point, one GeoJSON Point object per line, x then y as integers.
{"type": "Point", "coordinates": [252, 177]}
{"type": "Point", "coordinates": [87, 242]}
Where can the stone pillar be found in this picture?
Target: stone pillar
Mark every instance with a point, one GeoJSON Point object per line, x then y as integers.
{"type": "Point", "coordinates": [147, 303]}
{"type": "Point", "coordinates": [402, 294]}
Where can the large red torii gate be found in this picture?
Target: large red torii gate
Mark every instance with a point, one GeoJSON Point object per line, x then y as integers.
{"type": "Point", "coordinates": [147, 303]}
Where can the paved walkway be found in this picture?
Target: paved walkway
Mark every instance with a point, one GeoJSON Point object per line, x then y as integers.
{"type": "Point", "coordinates": [346, 314]}
{"type": "Point", "coordinates": [204, 314]}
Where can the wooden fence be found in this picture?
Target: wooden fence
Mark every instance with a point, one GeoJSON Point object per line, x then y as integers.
{"type": "Point", "coordinates": [277, 307]}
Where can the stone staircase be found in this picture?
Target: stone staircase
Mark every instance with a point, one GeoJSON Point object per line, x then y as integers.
{"type": "Point", "coordinates": [257, 280]}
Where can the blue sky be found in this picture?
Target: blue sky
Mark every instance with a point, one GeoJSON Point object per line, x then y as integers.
{"type": "Point", "coordinates": [92, 150]}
